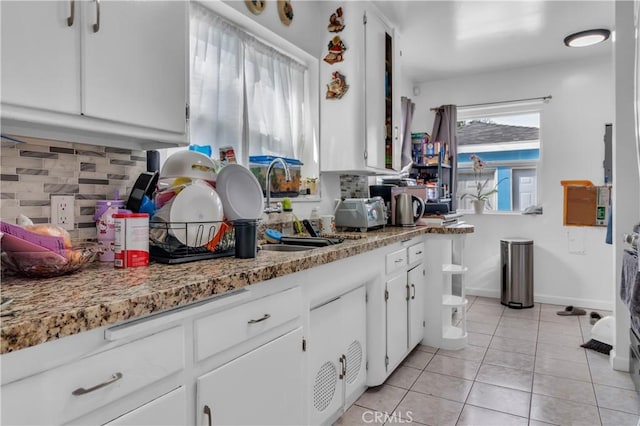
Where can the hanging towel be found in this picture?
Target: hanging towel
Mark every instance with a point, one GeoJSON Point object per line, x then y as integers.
{"type": "Point", "coordinates": [630, 286]}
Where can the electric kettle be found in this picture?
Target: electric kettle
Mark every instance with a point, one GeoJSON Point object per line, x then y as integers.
{"type": "Point", "coordinates": [404, 209]}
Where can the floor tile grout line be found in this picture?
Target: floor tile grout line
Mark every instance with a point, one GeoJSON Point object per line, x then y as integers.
{"type": "Point", "coordinates": [593, 386]}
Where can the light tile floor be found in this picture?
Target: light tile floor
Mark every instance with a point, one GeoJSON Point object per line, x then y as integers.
{"type": "Point", "coordinates": [521, 367]}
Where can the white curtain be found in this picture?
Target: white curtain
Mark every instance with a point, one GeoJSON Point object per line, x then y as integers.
{"type": "Point", "coordinates": [217, 87]}
{"type": "Point", "coordinates": [244, 93]}
{"type": "Point", "coordinates": [275, 91]}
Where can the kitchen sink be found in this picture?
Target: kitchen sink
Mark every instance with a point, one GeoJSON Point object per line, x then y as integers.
{"type": "Point", "coordinates": [286, 247]}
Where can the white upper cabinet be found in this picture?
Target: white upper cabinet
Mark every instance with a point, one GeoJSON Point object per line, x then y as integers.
{"type": "Point", "coordinates": [100, 72]}
{"type": "Point", "coordinates": [360, 130]}
{"type": "Point", "coordinates": [40, 63]}
{"type": "Point", "coordinates": [134, 66]}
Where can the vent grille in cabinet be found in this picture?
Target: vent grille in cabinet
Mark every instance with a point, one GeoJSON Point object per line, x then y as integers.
{"type": "Point", "coordinates": [324, 387]}
{"type": "Point", "coordinates": [354, 361]}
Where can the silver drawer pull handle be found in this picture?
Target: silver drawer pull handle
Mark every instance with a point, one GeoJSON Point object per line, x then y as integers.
{"type": "Point", "coordinates": [419, 252]}
{"type": "Point", "coordinates": [264, 317]}
{"type": "Point", "coordinates": [399, 260]}
{"type": "Point", "coordinates": [113, 379]}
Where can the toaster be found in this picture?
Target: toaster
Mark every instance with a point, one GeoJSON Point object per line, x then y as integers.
{"type": "Point", "coordinates": [361, 213]}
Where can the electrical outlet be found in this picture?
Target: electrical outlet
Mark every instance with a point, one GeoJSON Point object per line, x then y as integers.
{"type": "Point", "coordinates": [62, 211]}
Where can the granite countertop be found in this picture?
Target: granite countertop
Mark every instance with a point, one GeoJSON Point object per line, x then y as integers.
{"type": "Point", "coordinates": [47, 309]}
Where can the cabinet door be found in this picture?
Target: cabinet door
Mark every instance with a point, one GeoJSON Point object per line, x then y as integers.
{"type": "Point", "coordinates": [416, 279]}
{"type": "Point", "coordinates": [354, 331]}
{"type": "Point", "coordinates": [325, 346]}
{"type": "Point", "coordinates": [261, 387]}
{"type": "Point", "coordinates": [135, 65]}
{"type": "Point", "coordinates": [396, 112]}
{"type": "Point", "coordinates": [40, 62]}
{"type": "Point", "coordinates": [169, 409]}
{"type": "Point", "coordinates": [375, 38]}
{"type": "Point", "coordinates": [396, 320]}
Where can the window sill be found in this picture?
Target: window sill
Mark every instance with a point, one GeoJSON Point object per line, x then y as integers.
{"type": "Point", "coordinates": [495, 213]}
{"type": "Point", "coordinates": [299, 199]}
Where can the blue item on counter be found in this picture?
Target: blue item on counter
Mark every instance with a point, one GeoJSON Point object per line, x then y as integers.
{"type": "Point", "coordinates": [204, 149]}
{"type": "Point", "coordinates": [147, 206]}
{"type": "Point", "coordinates": [272, 236]}
{"type": "Point", "coordinates": [267, 159]}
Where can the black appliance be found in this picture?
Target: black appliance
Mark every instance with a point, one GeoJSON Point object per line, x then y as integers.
{"type": "Point", "coordinates": [145, 185]}
{"type": "Point", "coordinates": [383, 191]}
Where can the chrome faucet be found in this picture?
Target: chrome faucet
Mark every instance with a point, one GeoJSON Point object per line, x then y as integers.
{"type": "Point", "coordinates": [287, 178]}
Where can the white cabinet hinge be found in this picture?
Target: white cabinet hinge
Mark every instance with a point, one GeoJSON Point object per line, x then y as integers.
{"type": "Point", "coordinates": [364, 18]}
{"type": "Point", "coordinates": [408, 292]}
{"type": "Point", "coordinates": [188, 112]}
{"type": "Point", "coordinates": [386, 361]}
{"type": "Point", "coordinates": [424, 323]}
{"type": "Point", "coordinates": [304, 345]}
{"type": "Point", "coordinates": [366, 298]}
{"type": "Point", "coordinates": [366, 365]}
{"type": "Point", "coordinates": [424, 272]}
{"type": "Point", "coordinates": [386, 295]}
{"type": "Point", "coordinates": [366, 154]}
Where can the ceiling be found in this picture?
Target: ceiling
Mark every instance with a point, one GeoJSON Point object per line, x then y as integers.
{"type": "Point", "coordinates": [445, 39]}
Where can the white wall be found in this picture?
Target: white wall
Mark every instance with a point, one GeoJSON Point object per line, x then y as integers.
{"type": "Point", "coordinates": [304, 30]}
{"type": "Point", "coordinates": [572, 129]}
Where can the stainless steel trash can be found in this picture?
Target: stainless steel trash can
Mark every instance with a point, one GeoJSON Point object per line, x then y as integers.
{"type": "Point", "coordinates": [516, 278]}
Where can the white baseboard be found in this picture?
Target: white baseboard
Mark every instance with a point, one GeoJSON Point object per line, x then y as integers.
{"type": "Point", "coordinates": [619, 361]}
{"type": "Point", "coordinates": [544, 298]}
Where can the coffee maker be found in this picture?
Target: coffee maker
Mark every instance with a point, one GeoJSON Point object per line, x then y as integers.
{"type": "Point", "coordinates": [383, 191]}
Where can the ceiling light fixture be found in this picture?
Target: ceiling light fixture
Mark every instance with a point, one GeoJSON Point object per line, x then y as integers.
{"type": "Point", "coordinates": [586, 38]}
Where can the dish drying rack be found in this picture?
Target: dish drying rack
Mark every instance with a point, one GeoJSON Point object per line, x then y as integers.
{"type": "Point", "coordinates": [164, 247]}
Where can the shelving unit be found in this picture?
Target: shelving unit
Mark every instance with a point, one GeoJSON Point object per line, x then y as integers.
{"type": "Point", "coordinates": [441, 175]}
{"type": "Point", "coordinates": [446, 302]}
{"type": "Point", "coordinates": [454, 309]}
{"type": "Point", "coordinates": [388, 98]}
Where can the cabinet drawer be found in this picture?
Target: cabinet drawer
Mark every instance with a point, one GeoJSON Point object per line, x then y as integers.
{"type": "Point", "coordinates": [169, 409]}
{"type": "Point", "coordinates": [396, 260]}
{"type": "Point", "coordinates": [67, 392]}
{"type": "Point", "coordinates": [220, 331]}
{"type": "Point", "coordinates": [416, 253]}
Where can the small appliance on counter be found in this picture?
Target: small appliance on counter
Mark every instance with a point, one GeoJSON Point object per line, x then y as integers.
{"type": "Point", "coordinates": [361, 213]}
{"type": "Point", "coordinates": [383, 191]}
{"type": "Point", "coordinates": [420, 191]}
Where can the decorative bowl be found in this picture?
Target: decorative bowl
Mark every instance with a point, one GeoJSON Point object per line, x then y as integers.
{"type": "Point", "coordinates": [47, 264]}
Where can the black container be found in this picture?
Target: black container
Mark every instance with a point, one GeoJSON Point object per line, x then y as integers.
{"type": "Point", "coordinates": [246, 238]}
{"type": "Point", "coordinates": [383, 191]}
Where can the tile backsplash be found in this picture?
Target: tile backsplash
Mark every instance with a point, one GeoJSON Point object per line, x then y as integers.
{"type": "Point", "coordinates": [37, 168]}
{"type": "Point", "coordinates": [354, 186]}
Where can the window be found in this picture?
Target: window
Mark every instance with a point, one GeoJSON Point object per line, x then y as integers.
{"type": "Point", "coordinates": [508, 143]}
{"type": "Point", "coordinates": [248, 95]}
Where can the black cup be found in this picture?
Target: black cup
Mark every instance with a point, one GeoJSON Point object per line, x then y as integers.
{"type": "Point", "coordinates": [246, 231]}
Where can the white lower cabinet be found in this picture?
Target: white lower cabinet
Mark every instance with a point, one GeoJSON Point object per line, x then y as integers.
{"type": "Point", "coordinates": [67, 392]}
{"type": "Point", "coordinates": [401, 297]}
{"type": "Point", "coordinates": [262, 387]}
{"type": "Point", "coordinates": [167, 410]}
{"type": "Point", "coordinates": [397, 327]}
{"type": "Point", "coordinates": [337, 355]}
{"type": "Point", "coordinates": [416, 279]}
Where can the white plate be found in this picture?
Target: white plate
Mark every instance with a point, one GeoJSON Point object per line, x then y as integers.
{"type": "Point", "coordinates": [240, 192]}
{"type": "Point", "coordinates": [195, 203]}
